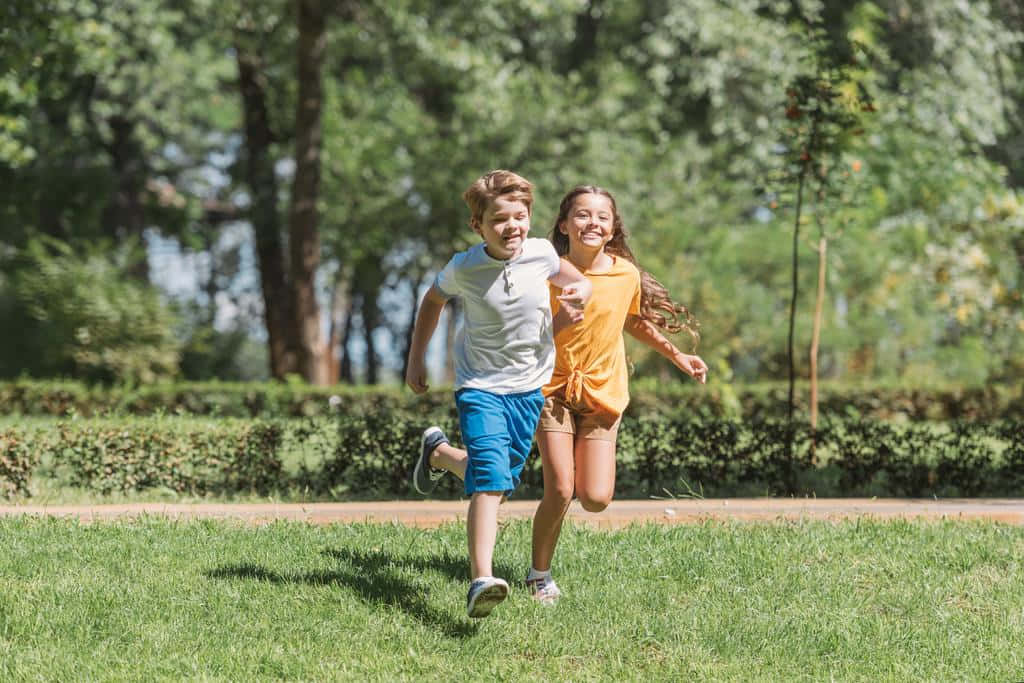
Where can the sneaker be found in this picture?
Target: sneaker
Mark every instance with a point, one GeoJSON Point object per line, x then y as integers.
{"type": "Point", "coordinates": [424, 477]}
{"type": "Point", "coordinates": [483, 595]}
{"type": "Point", "coordinates": [545, 591]}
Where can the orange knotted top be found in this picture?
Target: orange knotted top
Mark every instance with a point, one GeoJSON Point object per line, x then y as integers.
{"type": "Point", "coordinates": [590, 356]}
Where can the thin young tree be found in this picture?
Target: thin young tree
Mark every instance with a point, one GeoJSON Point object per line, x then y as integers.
{"type": "Point", "coordinates": [824, 109]}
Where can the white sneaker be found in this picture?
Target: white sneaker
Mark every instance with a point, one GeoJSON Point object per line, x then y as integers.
{"type": "Point", "coordinates": [484, 594]}
{"type": "Point", "coordinates": [544, 590]}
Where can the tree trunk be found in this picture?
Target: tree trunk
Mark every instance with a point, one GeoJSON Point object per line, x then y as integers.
{"type": "Point", "coordinates": [341, 310]}
{"type": "Point", "coordinates": [371, 318]}
{"type": "Point", "coordinates": [124, 214]}
{"type": "Point", "coordinates": [816, 333]}
{"type": "Point", "coordinates": [259, 170]}
{"type": "Point", "coordinates": [804, 169]}
{"type": "Point", "coordinates": [792, 304]}
{"type": "Point", "coordinates": [304, 237]}
{"type": "Point", "coordinates": [345, 366]}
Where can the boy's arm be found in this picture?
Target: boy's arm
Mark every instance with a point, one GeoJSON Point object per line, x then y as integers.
{"type": "Point", "coordinates": [576, 291]}
{"type": "Point", "coordinates": [426, 322]}
{"type": "Point", "coordinates": [648, 333]}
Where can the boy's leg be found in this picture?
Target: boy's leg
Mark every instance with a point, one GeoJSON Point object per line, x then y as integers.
{"type": "Point", "coordinates": [556, 452]}
{"type": "Point", "coordinates": [482, 527]}
{"type": "Point", "coordinates": [448, 457]}
{"type": "Point", "coordinates": [436, 456]}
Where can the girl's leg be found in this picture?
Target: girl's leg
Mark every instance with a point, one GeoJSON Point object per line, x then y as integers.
{"type": "Point", "coordinates": [556, 454]}
{"type": "Point", "coordinates": [448, 457]}
{"type": "Point", "coordinates": [482, 526]}
{"type": "Point", "coordinates": [595, 473]}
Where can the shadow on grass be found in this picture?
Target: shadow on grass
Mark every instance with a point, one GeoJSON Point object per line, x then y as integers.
{"type": "Point", "coordinates": [377, 560]}
{"type": "Point", "coordinates": [375, 576]}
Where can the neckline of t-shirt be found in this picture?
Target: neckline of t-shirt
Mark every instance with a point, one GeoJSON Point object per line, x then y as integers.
{"type": "Point", "coordinates": [483, 250]}
{"type": "Point", "coordinates": [615, 262]}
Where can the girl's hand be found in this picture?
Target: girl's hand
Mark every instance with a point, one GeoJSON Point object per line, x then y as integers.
{"type": "Point", "coordinates": [693, 366]}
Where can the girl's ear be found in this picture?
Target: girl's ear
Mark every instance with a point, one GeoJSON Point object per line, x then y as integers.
{"type": "Point", "coordinates": [561, 228]}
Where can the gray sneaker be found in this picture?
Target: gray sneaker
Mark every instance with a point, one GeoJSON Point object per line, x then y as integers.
{"type": "Point", "coordinates": [424, 477]}
{"type": "Point", "coordinates": [544, 590]}
{"type": "Point", "coordinates": [484, 594]}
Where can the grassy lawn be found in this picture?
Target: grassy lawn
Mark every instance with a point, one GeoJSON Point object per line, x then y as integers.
{"type": "Point", "coordinates": [207, 600]}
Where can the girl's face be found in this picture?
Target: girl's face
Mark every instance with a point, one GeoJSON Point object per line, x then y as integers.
{"type": "Point", "coordinates": [590, 223]}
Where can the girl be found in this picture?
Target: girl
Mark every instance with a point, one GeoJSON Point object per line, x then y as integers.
{"type": "Point", "coordinates": [588, 391]}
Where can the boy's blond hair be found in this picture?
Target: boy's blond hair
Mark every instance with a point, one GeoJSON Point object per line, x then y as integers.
{"type": "Point", "coordinates": [490, 186]}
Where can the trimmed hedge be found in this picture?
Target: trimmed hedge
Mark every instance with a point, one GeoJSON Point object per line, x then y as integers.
{"type": "Point", "coordinates": [718, 457]}
{"type": "Point", "coordinates": [17, 461]}
{"type": "Point", "coordinates": [275, 400]}
{"type": "Point", "coordinates": [372, 455]}
{"type": "Point", "coordinates": [135, 455]}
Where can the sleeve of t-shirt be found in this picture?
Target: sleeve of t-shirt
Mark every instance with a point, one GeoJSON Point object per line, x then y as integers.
{"type": "Point", "coordinates": [551, 257]}
{"type": "Point", "coordinates": [634, 303]}
{"type": "Point", "coordinates": [446, 280]}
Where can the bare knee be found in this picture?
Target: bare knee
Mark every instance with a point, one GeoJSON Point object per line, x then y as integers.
{"type": "Point", "coordinates": [559, 494]}
{"type": "Point", "coordinates": [592, 503]}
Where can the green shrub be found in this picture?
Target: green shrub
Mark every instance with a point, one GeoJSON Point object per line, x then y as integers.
{"type": "Point", "coordinates": [763, 402]}
{"type": "Point", "coordinates": [17, 461]}
{"type": "Point", "coordinates": [78, 314]}
{"type": "Point", "coordinates": [140, 455]}
{"type": "Point", "coordinates": [369, 454]}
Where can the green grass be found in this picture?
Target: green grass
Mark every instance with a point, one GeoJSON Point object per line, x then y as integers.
{"type": "Point", "coordinates": [861, 600]}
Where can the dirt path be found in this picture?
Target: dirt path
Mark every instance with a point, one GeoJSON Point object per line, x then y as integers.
{"type": "Point", "coordinates": [619, 513]}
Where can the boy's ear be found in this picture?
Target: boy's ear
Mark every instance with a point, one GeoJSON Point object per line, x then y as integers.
{"type": "Point", "coordinates": [474, 225]}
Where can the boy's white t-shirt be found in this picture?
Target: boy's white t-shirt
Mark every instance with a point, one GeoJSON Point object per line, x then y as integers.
{"type": "Point", "coordinates": [505, 343]}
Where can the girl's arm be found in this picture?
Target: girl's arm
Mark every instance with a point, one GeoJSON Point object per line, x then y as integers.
{"type": "Point", "coordinates": [426, 322]}
{"type": "Point", "coordinates": [649, 334]}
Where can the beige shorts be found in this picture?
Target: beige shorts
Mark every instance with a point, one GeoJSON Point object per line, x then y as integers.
{"type": "Point", "coordinates": [559, 416]}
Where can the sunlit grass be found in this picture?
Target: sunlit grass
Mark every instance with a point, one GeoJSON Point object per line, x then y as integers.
{"type": "Point", "coordinates": [155, 599]}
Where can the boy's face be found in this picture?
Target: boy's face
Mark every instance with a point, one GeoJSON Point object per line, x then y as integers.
{"type": "Point", "coordinates": [504, 227]}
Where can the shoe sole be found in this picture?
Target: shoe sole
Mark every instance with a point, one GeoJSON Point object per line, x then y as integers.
{"type": "Point", "coordinates": [547, 600]}
{"type": "Point", "coordinates": [486, 601]}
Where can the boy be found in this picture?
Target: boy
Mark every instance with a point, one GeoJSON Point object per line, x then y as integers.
{"type": "Point", "coordinates": [504, 354]}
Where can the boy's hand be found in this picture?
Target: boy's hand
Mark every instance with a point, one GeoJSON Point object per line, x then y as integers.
{"type": "Point", "coordinates": [573, 298]}
{"type": "Point", "coordinates": [693, 366]}
{"type": "Point", "coordinates": [416, 376]}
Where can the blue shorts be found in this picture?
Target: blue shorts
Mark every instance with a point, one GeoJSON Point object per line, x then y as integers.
{"type": "Point", "coordinates": [497, 430]}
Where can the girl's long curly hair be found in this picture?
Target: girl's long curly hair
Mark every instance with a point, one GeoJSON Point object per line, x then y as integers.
{"type": "Point", "coordinates": [656, 306]}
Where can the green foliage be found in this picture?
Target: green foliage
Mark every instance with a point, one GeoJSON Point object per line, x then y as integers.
{"type": "Point", "coordinates": [17, 461]}
{"type": "Point", "coordinates": [138, 455]}
{"type": "Point", "coordinates": [276, 400]}
{"type": "Point", "coordinates": [726, 457]}
{"type": "Point", "coordinates": [370, 455]}
{"type": "Point", "coordinates": [120, 118]}
{"type": "Point", "coordinates": [77, 316]}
